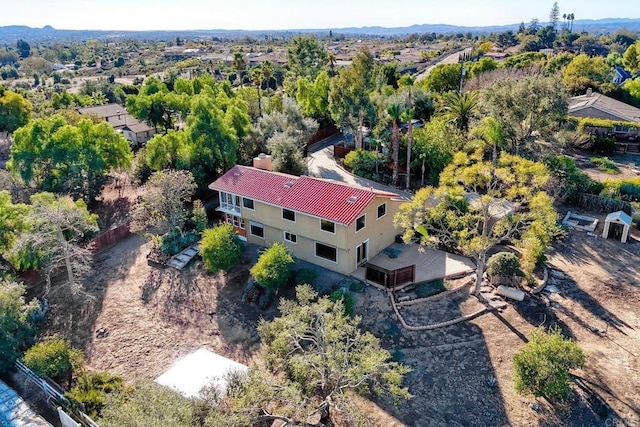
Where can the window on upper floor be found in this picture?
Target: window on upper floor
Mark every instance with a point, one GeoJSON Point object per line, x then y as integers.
{"type": "Point", "coordinates": [382, 210]}
{"type": "Point", "coordinates": [328, 226]}
{"type": "Point", "coordinates": [289, 215]}
{"type": "Point", "coordinates": [247, 203]}
{"type": "Point", "coordinates": [360, 222]}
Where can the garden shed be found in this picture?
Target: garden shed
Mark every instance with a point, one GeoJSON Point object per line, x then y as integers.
{"type": "Point", "coordinates": [618, 224]}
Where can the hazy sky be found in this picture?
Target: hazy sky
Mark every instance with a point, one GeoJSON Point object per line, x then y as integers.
{"type": "Point", "coordinates": [293, 14]}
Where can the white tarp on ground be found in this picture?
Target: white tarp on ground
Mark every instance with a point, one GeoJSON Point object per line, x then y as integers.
{"type": "Point", "coordinates": [190, 374]}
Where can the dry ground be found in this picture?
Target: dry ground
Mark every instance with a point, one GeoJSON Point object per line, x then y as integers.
{"type": "Point", "coordinates": [152, 317]}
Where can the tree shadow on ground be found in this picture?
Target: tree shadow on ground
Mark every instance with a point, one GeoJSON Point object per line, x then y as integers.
{"type": "Point", "coordinates": [453, 380]}
{"type": "Point", "coordinates": [537, 313]}
{"type": "Point", "coordinates": [74, 316]}
{"type": "Point", "coordinates": [570, 289]}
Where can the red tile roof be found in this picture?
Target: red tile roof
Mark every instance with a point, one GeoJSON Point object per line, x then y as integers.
{"type": "Point", "coordinates": [318, 197]}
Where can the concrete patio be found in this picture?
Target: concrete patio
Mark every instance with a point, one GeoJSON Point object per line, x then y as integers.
{"type": "Point", "coordinates": [431, 264]}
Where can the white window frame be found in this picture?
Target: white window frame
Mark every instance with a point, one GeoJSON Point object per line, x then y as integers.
{"type": "Point", "coordinates": [258, 225]}
{"type": "Point", "coordinates": [365, 222]}
{"type": "Point", "coordinates": [289, 210]}
{"type": "Point", "coordinates": [327, 231]}
{"type": "Point", "coordinates": [378, 210]}
{"type": "Point", "coordinates": [315, 251]}
{"type": "Point", "coordinates": [253, 203]}
{"type": "Point", "coordinates": [295, 236]}
{"type": "Point", "coordinates": [229, 202]}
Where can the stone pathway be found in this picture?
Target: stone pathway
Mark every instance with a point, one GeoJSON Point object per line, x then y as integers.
{"type": "Point", "coordinates": [14, 412]}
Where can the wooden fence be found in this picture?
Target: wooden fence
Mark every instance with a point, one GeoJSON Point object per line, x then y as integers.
{"type": "Point", "coordinates": [109, 237]}
{"type": "Point", "coordinates": [323, 133]}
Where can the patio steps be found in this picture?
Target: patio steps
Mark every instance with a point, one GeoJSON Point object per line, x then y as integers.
{"type": "Point", "coordinates": [179, 261]}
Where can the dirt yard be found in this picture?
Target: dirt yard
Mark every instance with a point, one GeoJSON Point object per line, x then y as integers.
{"type": "Point", "coordinates": [148, 318]}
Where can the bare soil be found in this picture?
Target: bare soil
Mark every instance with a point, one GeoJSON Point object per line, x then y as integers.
{"type": "Point", "coordinates": [152, 317]}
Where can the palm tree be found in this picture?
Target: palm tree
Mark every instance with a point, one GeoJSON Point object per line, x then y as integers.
{"type": "Point", "coordinates": [331, 62]}
{"type": "Point", "coordinates": [267, 72]}
{"type": "Point", "coordinates": [460, 108]}
{"type": "Point", "coordinates": [395, 112]}
{"type": "Point", "coordinates": [239, 64]}
{"type": "Point", "coordinates": [408, 118]}
{"type": "Point", "coordinates": [257, 77]}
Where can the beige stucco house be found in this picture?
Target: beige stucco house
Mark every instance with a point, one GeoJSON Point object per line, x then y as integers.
{"type": "Point", "coordinates": [329, 224]}
{"type": "Point", "coordinates": [133, 130]}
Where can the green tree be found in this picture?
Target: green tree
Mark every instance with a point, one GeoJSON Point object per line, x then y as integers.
{"type": "Point", "coordinates": [54, 358]}
{"type": "Point", "coordinates": [554, 15]}
{"type": "Point", "coordinates": [15, 111]}
{"type": "Point", "coordinates": [13, 221]}
{"type": "Point", "coordinates": [220, 248]}
{"type": "Point", "coordinates": [157, 106]}
{"type": "Point", "coordinates": [16, 326]}
{"type": "Point", "coordinates": [443, 78]}
{"type": "Point", "coordinates": [479, 205]}
{"type": "Point", "coordinates": [433, 148]}
{"type": "Point", "coordinates": [306, 56]}
{"type": "Point", "coordinates": [92, 389]}
{"type": "Point", "coordinates": [460, 108]}
{"type": "Point", "coordinates": [23, 48]}
{"type": "Point", "coordinates": [53, 155]}
{"type": "Point", "coordinates": [483, 65]}
{"type": "Point", "coordinates": [584, 72]}
{"type": "Point", "coordinates": [349, 101]}
{"type": "Point", "coordinates": [274, 266]}
{"type": "Point", "coordinates": [286, 155]}
{"type": "Point", "coordinates": [324, 356]}
{"type": "Point", "coordinates": [543, 366]}
{"type": "Point", "coordinates": [524, 107]}
{"type": "Point", "coordinates": [631, 58]}
{"type": "Point", "coordinates": [163, 202]}
{"type": "Point", "coordinates": [394, 111]}
{"type": "Point", "coordinates": [147, 404]}
{"type": "Point", "coordinates": [58, 228]}
{"type": "Point", "coordinates": [314, 97]}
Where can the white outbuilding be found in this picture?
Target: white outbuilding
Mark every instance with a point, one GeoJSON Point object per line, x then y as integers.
{"type": "Point", "coordinates": [621, 227]}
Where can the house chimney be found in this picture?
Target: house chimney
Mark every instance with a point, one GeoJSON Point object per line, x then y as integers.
{"type": "Point", "coordinates": [263, 161]}
{"type": "Point", "coordinates": [589, 92]}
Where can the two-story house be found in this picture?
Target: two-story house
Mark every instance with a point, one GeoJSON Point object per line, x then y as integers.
{"type": "Point", "coordinates": [133, 130]}
{"type": "Point", "coordinates": [324, 222]}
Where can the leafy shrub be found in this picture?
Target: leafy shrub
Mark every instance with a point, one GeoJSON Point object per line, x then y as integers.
{"type": "Point", "coordinates": [542, 367]}
{"type": "Point", "coordinates": [569, 179]}
{"type": "Point", "coordinates": [220, 248]}
{"type": "Point", "coordinates": [251, 292]}
{"type": "Point", "coordinates": [505, 264]}
{"type": "Point", "coordinates": [198, 217]}
{"type": "Point", "coordinates": [607, 165]}
{"type": "Point", "coordinates": [347, 298]}
{"type": "Point", "coordinates": [426, 289]}
{"type": "Point", "coordinates": [92, 389]}
{"type": "Point", "coordinates": [16, 328]}
{"type": "Point", "coordinates": [363, 163]}
{"type": "Point", "coordinates": [274, 266]}
{"type": "Point", "coordinates": [305, 276]}
{"type": "Point", "coordinates": [176, 240]}
{"type": "Point", "coordinates": [356, 286]}
{"type": "Point", "coordinates": [266, 298]}
{"type": "Point", "coordinates": [55, 359]}
{"type": "Point", "coordinates": [602, 143]}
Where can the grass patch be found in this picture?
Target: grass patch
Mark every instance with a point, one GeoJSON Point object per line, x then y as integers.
{"type": "Point", "coordinates": [428, 289]}
{"type": "Point", "coordinates": [607, 165]}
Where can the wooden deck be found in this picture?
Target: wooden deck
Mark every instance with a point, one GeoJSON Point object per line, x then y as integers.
{"type": "Point", "coordinates": [431, 264]}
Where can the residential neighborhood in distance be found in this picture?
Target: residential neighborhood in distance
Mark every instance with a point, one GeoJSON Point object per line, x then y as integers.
{"type": "Point", "coordinates": [254, 214]}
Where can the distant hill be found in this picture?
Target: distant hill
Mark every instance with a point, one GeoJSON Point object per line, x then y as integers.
{"type": "Point", "coordinates": [10, 34]}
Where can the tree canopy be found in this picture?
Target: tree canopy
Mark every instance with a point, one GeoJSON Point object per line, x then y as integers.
{"type": "Point", "coordinates": [479, 205]}
{"type": "Point", "coordinates": [316, 357]}
{"type": "Point", "coordinates": [15, 111]}
{"type": "Point", "coordinates": [16, 323]}
{"type": "Point", "coordinates": [220, 248]}
{"type": "Point", "coordinates": [52, 155]}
